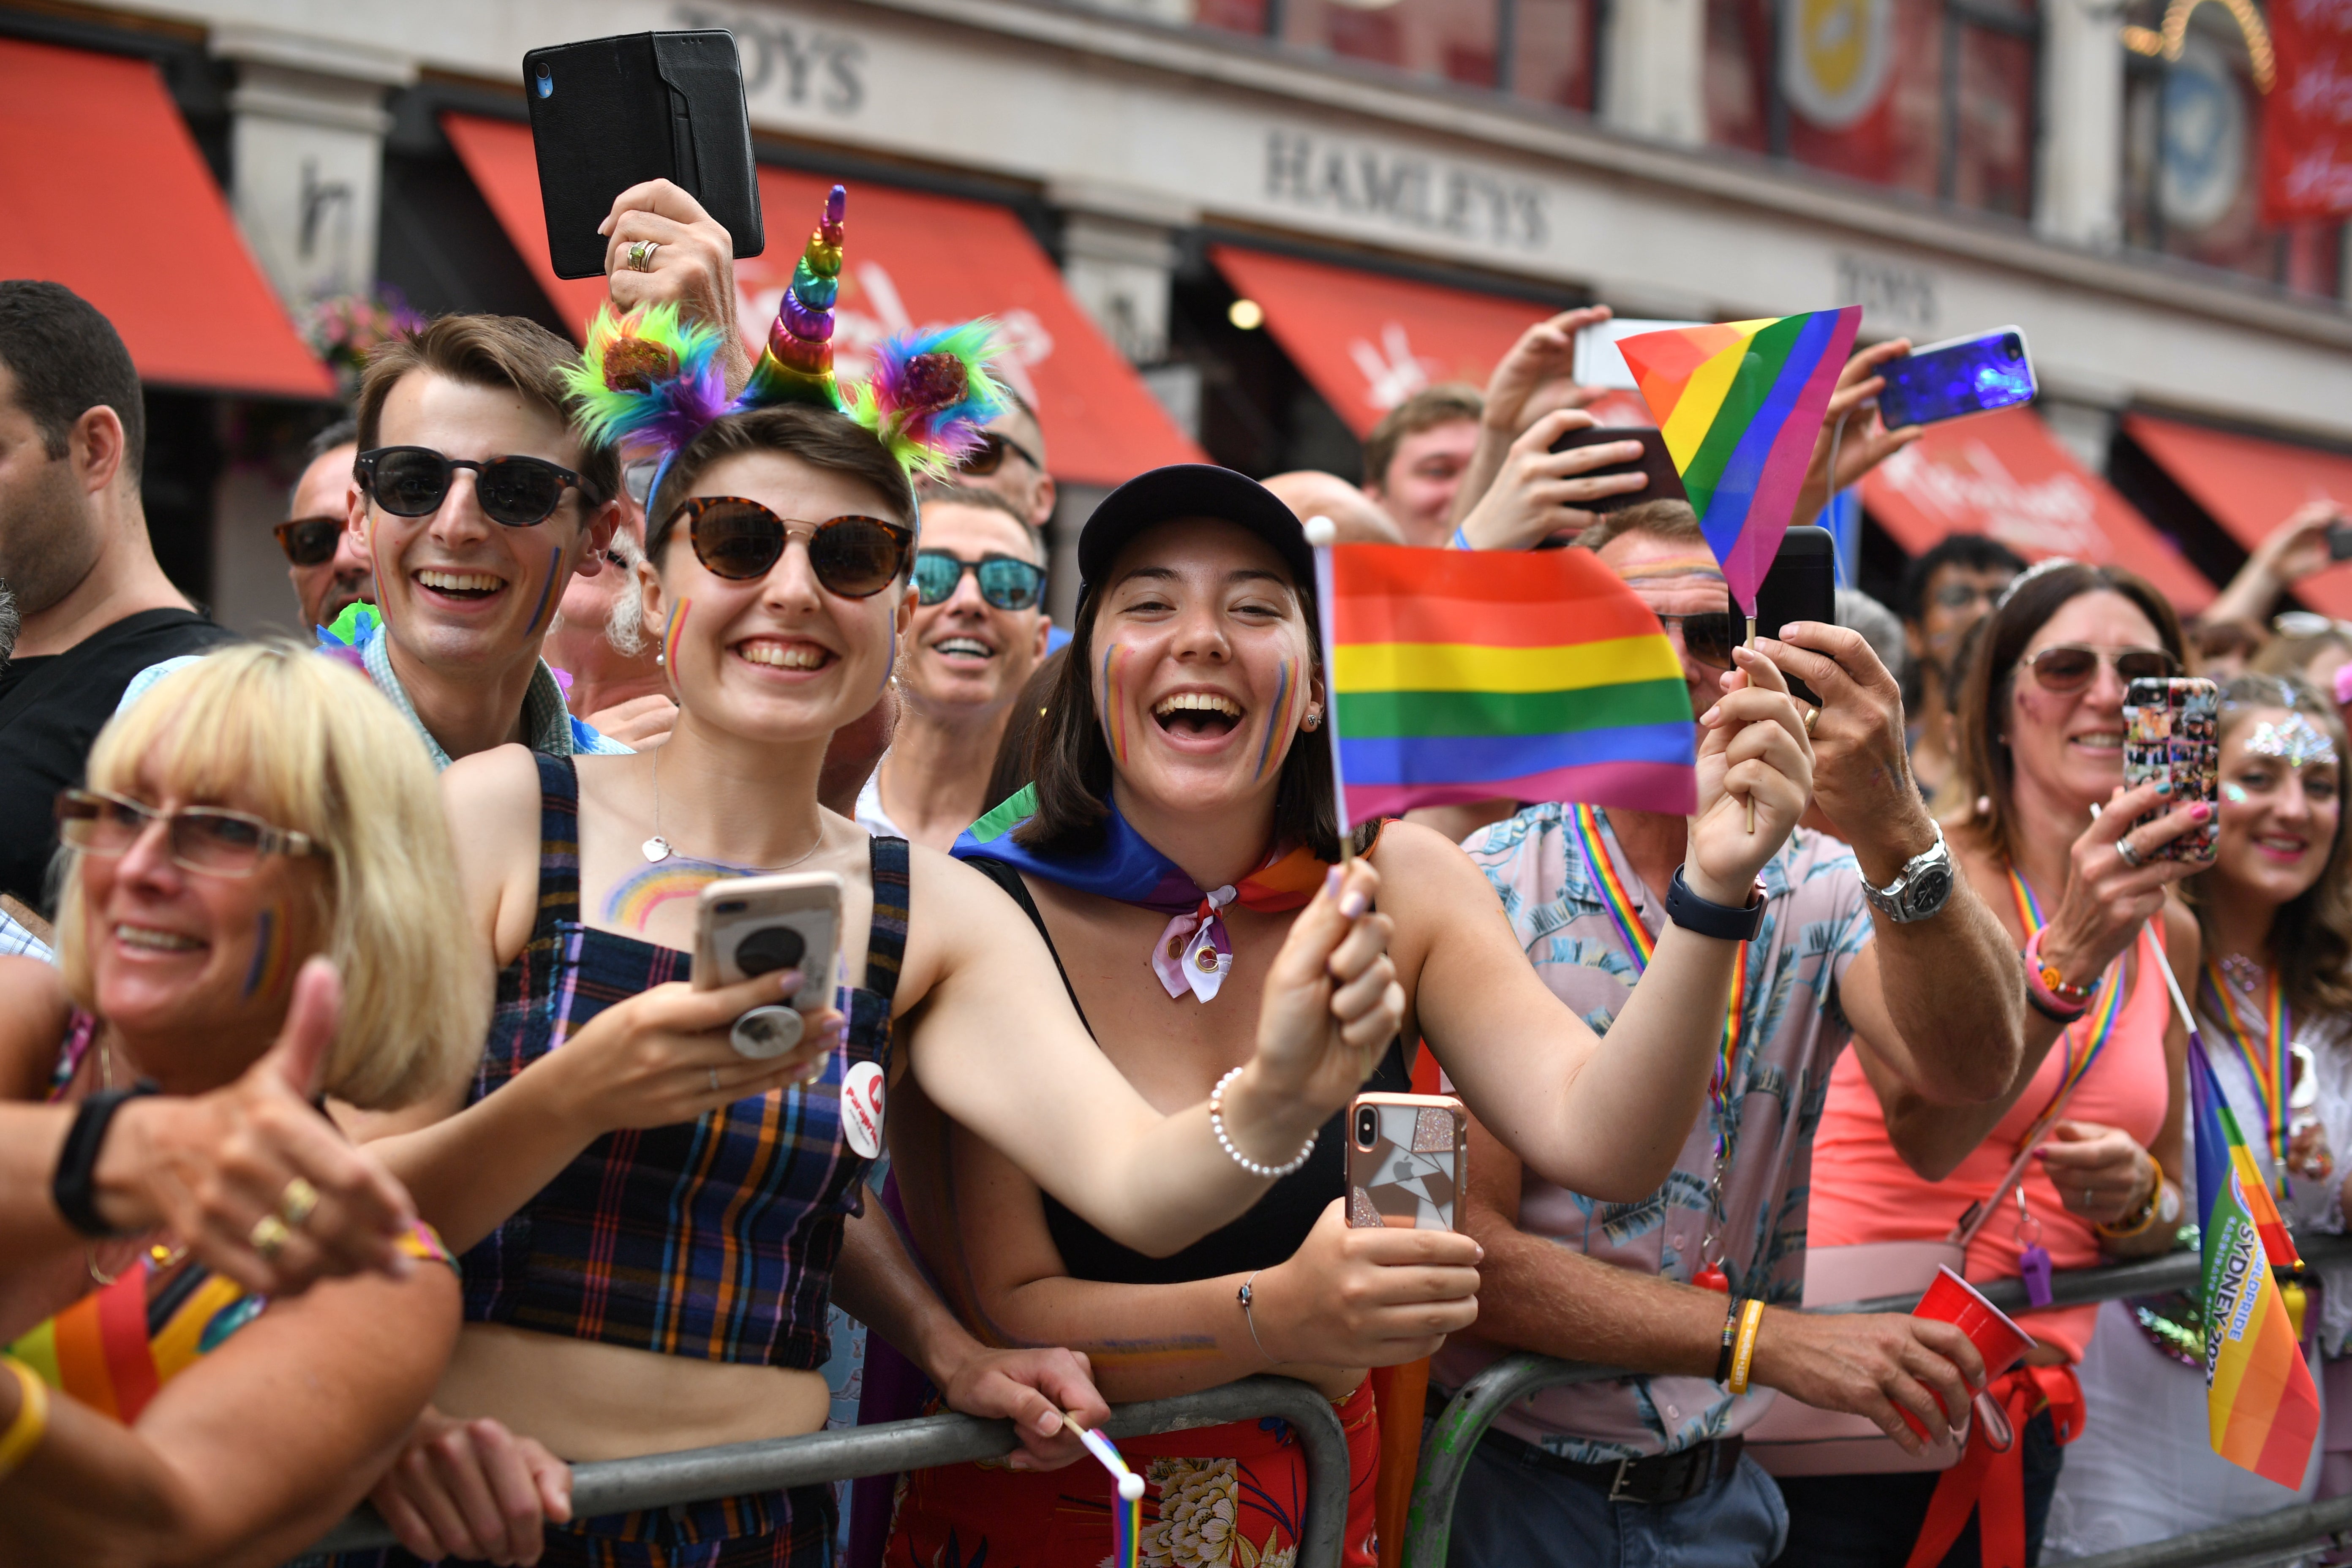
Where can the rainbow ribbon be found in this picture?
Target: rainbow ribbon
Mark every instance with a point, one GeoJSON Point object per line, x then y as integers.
{"type": "Point", "coordinates": [1126, 1501]}
{"type": "Point", "coordinates": [2269, 1065]}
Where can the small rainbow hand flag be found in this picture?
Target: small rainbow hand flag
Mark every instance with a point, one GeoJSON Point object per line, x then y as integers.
{"type": "Point", "coordinates": [1740, 406]}
{"type": "Point", "coordinates": [2260, 1404]}
{"type": "Point", "coordinates": [1462, 675]}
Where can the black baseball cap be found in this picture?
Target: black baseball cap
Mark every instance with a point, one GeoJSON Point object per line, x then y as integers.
{"type": "Point", "coordinates": [1190, 489]}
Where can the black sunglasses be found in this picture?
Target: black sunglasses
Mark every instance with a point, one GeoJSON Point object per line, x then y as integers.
{"type": "Point", "coordinates": [989, 456]}
{"type": "Point", "coordinates": [1006, 581]}
{"type": "Point", "coordinates": [1710, 635]}
{"type": "Point", "coordinates": [412, 482]}
{"type": "Point", "coordinates": [853, 556]}
{"type": "Point", "coordinates": [310, 540]}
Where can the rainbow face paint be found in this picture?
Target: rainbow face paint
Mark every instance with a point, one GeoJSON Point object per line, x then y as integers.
{"type": "Point", "coordinates": [1113, 686]}
{"type": "Point", "coordinates": [670, 631]}
{"type": "Point", "coordinates": [546, 593]}
{"type": "Point", "coordinates": [634, 899]}
{"type": "Point", "coordinates": [271, 938]}
{"type": "Point", "coordinates": [1278, 718]}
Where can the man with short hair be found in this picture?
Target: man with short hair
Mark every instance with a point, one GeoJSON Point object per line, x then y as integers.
{"type": "Point", "coordinates": [978, 631]}
{"type": "Point", "coordinates": [1416, 456]}
{"type": "Point", "coordinates": [477, 504]}
{"type": "Point", "coordinates": [74, 550]}
{"type": "Point", "coordinates": [1880, 943]}
{"type": "Point", "coordinates": [325, 560]}
{"type": "Point", "coordinates": [1948, 589]}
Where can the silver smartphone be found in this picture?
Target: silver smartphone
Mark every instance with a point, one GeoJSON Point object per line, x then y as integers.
{"type": "Point", "coordinates": [746, 926]}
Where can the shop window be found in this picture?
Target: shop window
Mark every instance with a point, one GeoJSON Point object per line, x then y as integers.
{"type": "Point", "coordinates": [1454, 39]}
{"type": "Point", "coordinates": [1935, 97]}
{"type": "Point", "coordinates": [1553, 46]}
{"type": "Point", "coordinates": [2192, 154]}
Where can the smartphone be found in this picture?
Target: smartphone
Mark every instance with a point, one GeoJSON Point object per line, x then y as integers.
{"type": "Point", "coordinates": [1655, 461]}
{"type": "Point", "coordinates": [1801, 587]}
{"type": "Point", "coordinates": [1598, 363]}
{"type": "Point", "coordinates": [1406, 1160]}
{"type": "Point", "coordinates": [1957, 378]}
{"type": "Point", "coordinates": [614, 112]}
{"type": "Point", "coordinates": [2172, 730]}
{"type": "Point", "coordinates": [2339, 540]}
{"type": "Point", "coordinates": [745, 926]}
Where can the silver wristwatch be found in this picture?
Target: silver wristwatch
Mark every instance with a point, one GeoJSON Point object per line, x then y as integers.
{"type": "Point", "coordinates": [1920, 890]}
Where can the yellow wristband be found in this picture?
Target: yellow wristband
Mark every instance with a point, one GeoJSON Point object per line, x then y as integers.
{"type": "Point", "coordinates": [32, 1423]}
{"type": "Point", "coordinates": [2140, 1219]}
{"type": "Point", "coordinates": [1750, 1320]}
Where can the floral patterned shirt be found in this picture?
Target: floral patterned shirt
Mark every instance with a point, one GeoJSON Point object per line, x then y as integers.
{"type": "Point", "coordinates": [1790, 1031]}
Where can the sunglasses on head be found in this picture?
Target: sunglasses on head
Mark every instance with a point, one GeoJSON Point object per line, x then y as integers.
{"type": "Point", "coordinates": [2070, 666]}
{"type": "Point", "coordinates": [412, 482]}
{"type": "Point", "coordinates": [989, 456]}
{"type": "Point", "coordinates": [1006, 581]}
{"type": "Point", "coordinates": [853, 556]}
{"type": "Point", "coordinates": [310, 540]}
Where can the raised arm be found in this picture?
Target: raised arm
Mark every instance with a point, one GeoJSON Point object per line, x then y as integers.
{"type": "Point", "coordinates": [1602, 1117]}
{"type": "Point", "coordinates": [1531, 381]}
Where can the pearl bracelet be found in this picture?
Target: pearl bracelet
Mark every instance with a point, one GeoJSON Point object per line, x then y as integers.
{"type": "Point", "coordinates": [1217, 1126]}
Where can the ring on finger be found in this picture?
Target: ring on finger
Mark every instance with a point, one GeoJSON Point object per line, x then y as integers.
{"type": "Point", "coordinates": [297, 1202]}
{"type": "Point", "coordinates": [2127, 852]}
{"type": "Point", "coordinates": [269, 1236]}
{"type": "Point", "coordinates": [1811, 714]}
{"type": "Point", "coordinates": [640, 257]}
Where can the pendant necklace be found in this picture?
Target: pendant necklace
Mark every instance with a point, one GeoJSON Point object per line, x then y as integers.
{"type": "Point", "coordinates": [657, 849]}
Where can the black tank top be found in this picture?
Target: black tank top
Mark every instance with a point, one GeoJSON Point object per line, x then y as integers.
{"type": "Point", "coordinates": [1268, 1234]}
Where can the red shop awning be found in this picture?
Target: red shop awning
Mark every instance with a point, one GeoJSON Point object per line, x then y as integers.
{"type": "Point", "coordinates": [1369, 342]}
{"type": "Point", "coordinates": [914, 260]}
{"type": "Point", "coordinates": [2005, 475]}
{"type": "Point", "coordinates": [110, 197]}
{"type": "Point", "coordinates": [2250, 484]}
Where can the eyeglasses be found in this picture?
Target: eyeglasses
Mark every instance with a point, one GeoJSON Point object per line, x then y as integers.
{"type": "Point", "coordinates": [1961, 595]}
{"type": "Point", "coordinates": [855, 557]}
{"type": "Point", "coordinates": [206, 839]}
{"type": "Point", "coordinates": [989, 456]}
{"type": "Point", "coordinates": [412, 482]}
{"type": "Point", "coordinates": [1710, 637]}
{"type": "Point", "coordinates": [2070, 666]}
{"type": "Point", "coordinates": [1006, 581]}
{"type": "Point", "coordinates": [310, 540]}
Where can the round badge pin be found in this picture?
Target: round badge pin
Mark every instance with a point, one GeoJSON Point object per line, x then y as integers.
{"type": "Point", "coordinates": [861, 1109]}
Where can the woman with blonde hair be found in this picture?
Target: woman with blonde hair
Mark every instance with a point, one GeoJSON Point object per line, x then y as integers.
{"type": "Point", "coordinates": [257, 864]}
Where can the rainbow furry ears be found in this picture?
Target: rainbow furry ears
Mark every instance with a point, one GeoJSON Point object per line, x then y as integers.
{"type": "Point", "coordinates": [648, 382]}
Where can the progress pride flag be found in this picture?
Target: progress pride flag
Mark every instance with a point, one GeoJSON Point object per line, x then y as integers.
{"type": "Point", "coordinates": [2307, 119]}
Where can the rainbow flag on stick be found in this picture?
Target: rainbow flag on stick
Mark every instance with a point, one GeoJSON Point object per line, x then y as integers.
{"type": "Point", "coordinates": [2260, 1407]}
{"type": "Point", "coordinates": [1740, 406]}
{"type": "Point", "coordinates": [1463, 675]}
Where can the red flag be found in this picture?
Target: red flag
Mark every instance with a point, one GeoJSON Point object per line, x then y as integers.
{"type": "Point", "coordinates": [2307, 118]}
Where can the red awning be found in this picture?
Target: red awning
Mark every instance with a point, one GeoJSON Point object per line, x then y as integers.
{"type": "Point", "coordinates": [2005, 475]}
{"type": "Point", "coordinates": [110, 197]}
{"type": "Point", "coordinates": [1369, 342]}
{"type": "Point", "coordinates": [914, 260]}
{"type": "Point", "coordinates": [2250, 484]}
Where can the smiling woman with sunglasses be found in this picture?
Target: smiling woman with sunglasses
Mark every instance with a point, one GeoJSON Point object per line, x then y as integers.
{"type": "Point", "coordinates": [2050, 843]}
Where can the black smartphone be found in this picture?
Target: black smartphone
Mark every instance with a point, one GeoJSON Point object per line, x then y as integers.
{"type": "Point", "coordinates": [1665, 483]}
{"type": "Point", "coordinates": [2339, 542]}
{"type": "Point", "coordinates": [609, 113]}
{"type": "Point", "coordinates": [1961, 375]}
{"type": "Point", "coordinates": [1801, 587]}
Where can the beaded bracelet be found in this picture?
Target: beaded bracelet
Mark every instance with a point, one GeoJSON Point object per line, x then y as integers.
{"type": "Point", "coordinates": [1743, 1355]}
{"type": "Point", "coordinates": [2047, 989]}
{"type": "Point", "coordinates": [1217, 1126]}
{"type": "Point", "coordinates": [32, 1420]}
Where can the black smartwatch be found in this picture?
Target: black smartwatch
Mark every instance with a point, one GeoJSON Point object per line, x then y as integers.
{"type": "Point", "coordinates": [1725, 921]}
{"type": "Point", "coordinates": [74, 1188]}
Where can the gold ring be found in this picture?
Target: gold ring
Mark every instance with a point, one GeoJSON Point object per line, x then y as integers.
{"type": "Point", "coordinates": [640, 257]}
{"type": "Point", "coordinates": [296, 1203]}
{"type": "Point", "coordinates": [1811, 714]}
{"type": "Point", "coordinates": [269, 1236]}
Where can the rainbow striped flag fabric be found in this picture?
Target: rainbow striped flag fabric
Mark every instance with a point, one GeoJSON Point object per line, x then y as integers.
{"type": "Point", "coordinates": [1462, 675]}
{"type": "Point", "coordinates": [2260, 1407]}
{"type": "Point", "coordinates": [1738, 405]}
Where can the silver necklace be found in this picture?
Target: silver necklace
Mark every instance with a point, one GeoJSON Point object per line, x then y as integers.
{"type": "Point", "coordinates": [656, 849]}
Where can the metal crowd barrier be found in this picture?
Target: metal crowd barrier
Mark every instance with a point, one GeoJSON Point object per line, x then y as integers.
{"type": "Point", "coordinates": [2274, 1538]}
{"type": "Point", "coordinates": [699, 1475]}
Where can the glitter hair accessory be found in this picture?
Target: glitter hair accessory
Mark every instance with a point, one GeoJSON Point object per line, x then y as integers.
{"type": "Point", "coordinates": [2296, 742]}
{"type": "Point", "coordinates": [649, 383]}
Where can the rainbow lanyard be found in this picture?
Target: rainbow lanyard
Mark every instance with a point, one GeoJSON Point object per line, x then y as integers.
{"type": "Point", "coordinates": [2269, 1064]}
{"type": "Point", "coordinates": [1619, 902]}
{"type": "Point", "coordinates": [2107, 1006]}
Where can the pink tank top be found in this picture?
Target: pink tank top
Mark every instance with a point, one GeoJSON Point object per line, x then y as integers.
{"type": "Point", "coordinates": [1862, 1190]}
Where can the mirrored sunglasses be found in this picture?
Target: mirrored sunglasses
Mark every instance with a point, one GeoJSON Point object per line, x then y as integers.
{"type": "Point", "coordinates": [1006, 581]}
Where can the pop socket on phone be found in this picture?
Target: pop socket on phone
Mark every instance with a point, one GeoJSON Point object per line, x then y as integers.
{"type": "Point", "coordinates": [766, 1031]}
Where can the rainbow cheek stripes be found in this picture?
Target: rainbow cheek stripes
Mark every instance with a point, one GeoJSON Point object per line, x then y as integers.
{"type": "Point", "coordinates": [271, 937]}
{"type": "Point", "coordinates": [1278, 718]}
{"type": "Point", "coordinates": [670, 640]}
{"type": "Point", "coordinates": [1114, 697]}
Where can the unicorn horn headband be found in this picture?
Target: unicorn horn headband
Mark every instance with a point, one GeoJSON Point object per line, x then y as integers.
{"type": "Point", "coordinates": [649, 383]}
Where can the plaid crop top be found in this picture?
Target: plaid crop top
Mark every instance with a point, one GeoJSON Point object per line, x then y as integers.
{"type": "Point", "coordinates": [713, 1238]}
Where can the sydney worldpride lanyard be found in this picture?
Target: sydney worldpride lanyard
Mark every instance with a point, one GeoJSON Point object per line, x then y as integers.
{"type": "Point", "coordinates": [1641, 944]}
{"type": "Point", "coordinates": [2269, 1061]}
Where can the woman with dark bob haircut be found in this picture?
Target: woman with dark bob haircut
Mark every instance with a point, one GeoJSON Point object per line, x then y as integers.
{"type": "Point", "coordinates": [2057, 848]}
{"type": "Point", "coordinates": [1183, 792]}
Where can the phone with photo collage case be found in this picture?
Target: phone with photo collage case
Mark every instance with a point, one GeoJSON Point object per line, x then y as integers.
{"type": "Point", "coordinates": [1407, 1156]}
{"type": "Point", "coordinates": [2172, 730]}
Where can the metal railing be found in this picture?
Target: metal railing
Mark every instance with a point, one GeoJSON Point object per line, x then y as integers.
{"type": "Point", "coordinates": [1445, 1453]}
{"type": "Point", "coordinates": [700, 1475]}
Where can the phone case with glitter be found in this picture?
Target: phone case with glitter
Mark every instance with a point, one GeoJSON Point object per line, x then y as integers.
{"type": "Point", "coordinates": [2172, 730]}
{"type": "Point", "coordinates": [1406, 1160]}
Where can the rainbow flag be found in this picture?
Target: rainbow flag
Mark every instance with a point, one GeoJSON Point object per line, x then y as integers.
{"type": "Point", "coordinates": [1462, 675]}
{"type": "Point", "coordinates": [1740, 406]}
{"type": "Point", "coordinates": [2260, 1407]}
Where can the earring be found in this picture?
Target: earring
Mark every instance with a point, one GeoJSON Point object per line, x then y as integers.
{"type": "Point", "coordinates": [660, 659]}
{"type": "Point", "coordinates": [1313, 719]}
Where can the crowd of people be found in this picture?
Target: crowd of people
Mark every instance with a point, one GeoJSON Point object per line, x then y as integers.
{"type": "Point", "coordinates": [364, 1134]}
